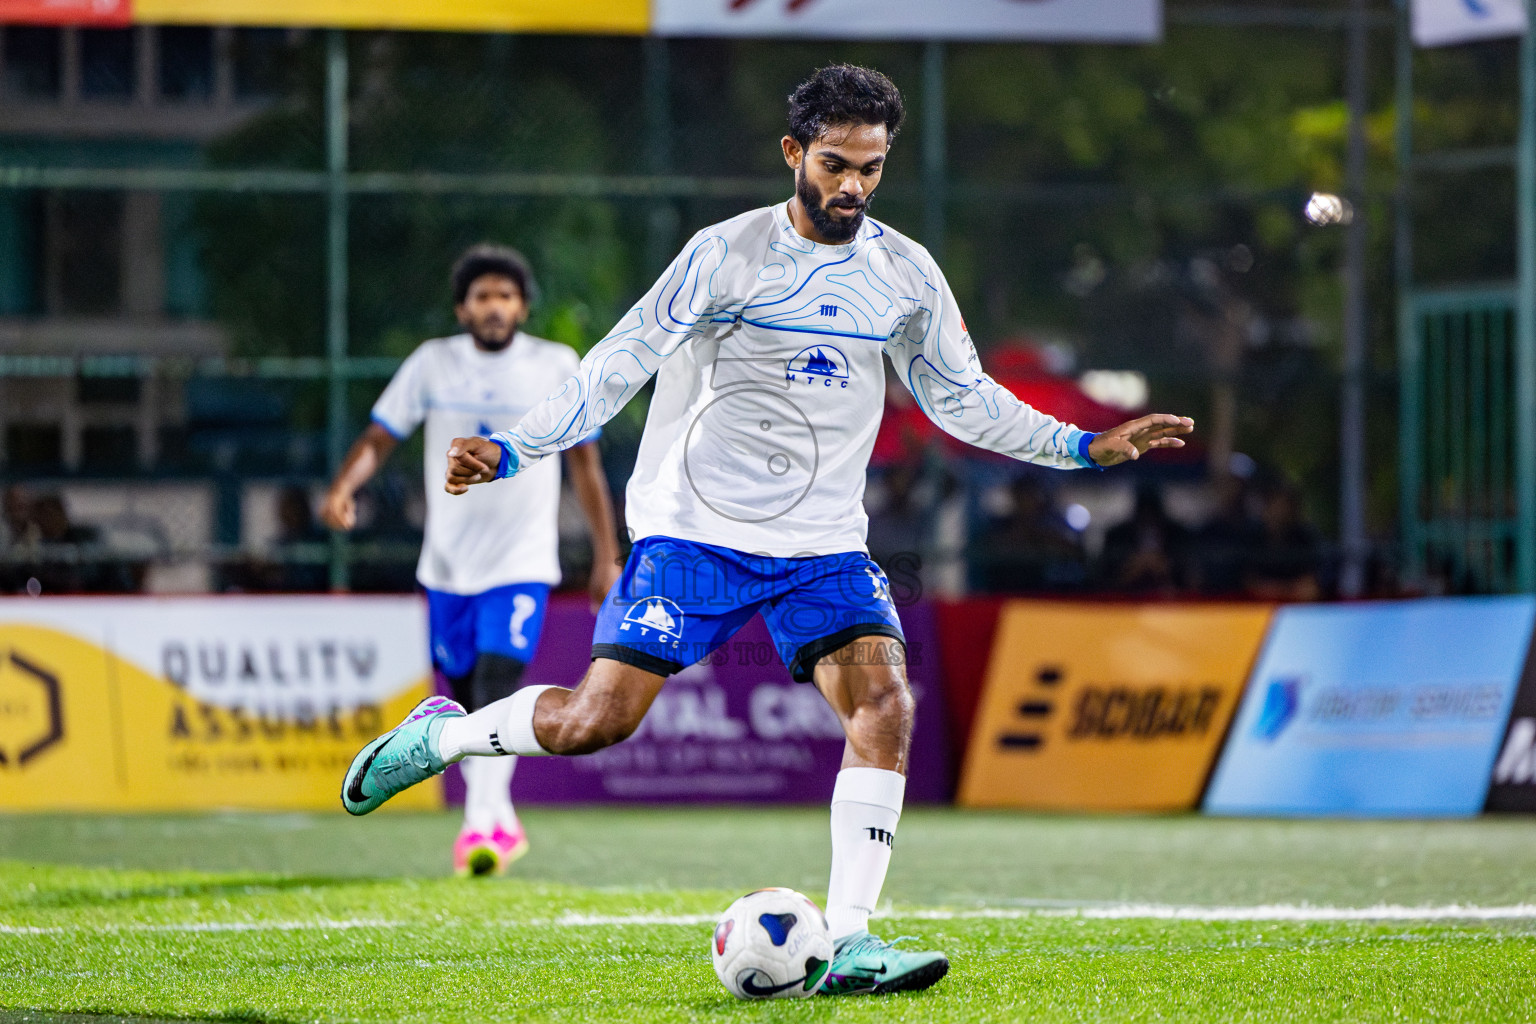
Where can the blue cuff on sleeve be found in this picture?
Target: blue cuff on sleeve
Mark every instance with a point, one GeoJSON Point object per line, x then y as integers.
{"type": "Point", "coordinates": [508, 458]}
{"type": "Point", "coordinates": [388, 427]}
{"type": "Point", "coordinates": [1083, 441]}
{"type": "Point", "coordinates": [590, 438]}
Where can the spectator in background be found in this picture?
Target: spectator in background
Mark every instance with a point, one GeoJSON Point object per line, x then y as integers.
{"type": "Point", "coordinates": [1222, 546]}
{"type": "Point", "coordinates": [20, 532]}
{"type": "Point", "coordinates": [57, 573]}
{"type": "Point", "coordinates": [1286, 563]}
{"type": "Point", "coordinates": [390, 527]}
{"type": "Point", "coordinates": [897, 525]}
{"type": "Point", "coordinates": [1032, 548]}
{"type": "Point", "coordinates": [1149, 553]}
{"type": "Point", "coordinates": [296, 525]}
{"type": "Point", "coordinates": [279, 570]}
{"type": "Point", "coordinates": [17, 510]}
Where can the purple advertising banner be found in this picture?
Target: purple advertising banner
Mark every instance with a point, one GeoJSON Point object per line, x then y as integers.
{"type": "Point", "coordinates": [732, 728]}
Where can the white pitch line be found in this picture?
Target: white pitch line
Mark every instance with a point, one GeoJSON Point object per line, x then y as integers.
{"type": "Point", "coordinates": [206, 926]}
{"type": "Point", "coordinates": [1271, 912]}
{"type": "Point", "coordinates": [1124, 912]}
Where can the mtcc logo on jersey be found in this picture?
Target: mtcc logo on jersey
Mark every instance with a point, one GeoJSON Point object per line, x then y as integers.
{"type": "Point", "coordinates": [658, 614]}
{"type": "Point", "coordinates": [823, 363]}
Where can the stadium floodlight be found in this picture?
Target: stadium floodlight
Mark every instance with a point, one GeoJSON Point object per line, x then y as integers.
{"type": "Point", "coordinates": [1325, 209]}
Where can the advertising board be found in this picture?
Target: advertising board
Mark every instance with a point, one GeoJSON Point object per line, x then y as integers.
{"type": "Point", "coordinates": [733, 728]}
{"type": "Point", "coordinates": [1376, 709]}
{"type": "Point", "coordinates": [198, 703]}
{"type": "Point", "coordinates": [1107, 707]}
{"type": "Point", "coordinates": [993, 20]}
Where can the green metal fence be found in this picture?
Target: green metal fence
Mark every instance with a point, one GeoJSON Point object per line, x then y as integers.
{"type": "Point", "coordinates": [1460, 451]}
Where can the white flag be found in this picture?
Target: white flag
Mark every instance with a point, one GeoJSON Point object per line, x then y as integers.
{"type": "Point", "coordinates": [1440, 22]}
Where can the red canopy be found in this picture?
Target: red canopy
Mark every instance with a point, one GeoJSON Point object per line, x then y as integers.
{"type": "Point", "coordinates": [1019, 367]}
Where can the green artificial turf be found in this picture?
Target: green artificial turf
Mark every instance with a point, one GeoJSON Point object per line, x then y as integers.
{"type": "Point", "coordinates": [321, 918]}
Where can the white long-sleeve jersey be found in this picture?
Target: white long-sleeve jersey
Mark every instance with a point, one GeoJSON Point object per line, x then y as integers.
{"type": "Point", "coordinates": [766, 348]}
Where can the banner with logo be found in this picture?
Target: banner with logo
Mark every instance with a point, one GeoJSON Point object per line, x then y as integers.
{"type": "Point", "coordinates": [626, 17]}
{"type": "Point", "coordinates": [1107, 707]}
{"type": "Point", "coordinates": [990, 20]}
{"type": "Point", "coordinates": [1443, 22]}
{"type": "Point", "coordinates": [1376, 709]}
{"type": "Point", "coordinates": [1139, 21]}
{"type": "Point", "coordinates": [65, 12]}
{"type": "Point", "coordinates": [200, 703]}
{"type": "Point", "coordinates": [733, 728]}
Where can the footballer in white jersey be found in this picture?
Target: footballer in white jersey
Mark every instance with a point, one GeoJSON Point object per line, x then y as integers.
{"type": "Point", "coordinates": [766, 339]}
{"type": "Point", "coordinates": [486, 564]}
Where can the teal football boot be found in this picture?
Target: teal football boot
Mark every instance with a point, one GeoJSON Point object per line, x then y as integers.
{"type": "Point", "coordinates": [400, 758]}
{"type": "Point", "coordinates": [863, 964]}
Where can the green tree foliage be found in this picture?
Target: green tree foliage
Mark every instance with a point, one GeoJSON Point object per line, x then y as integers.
{"type": "Point", "coordinates": [423, 103]}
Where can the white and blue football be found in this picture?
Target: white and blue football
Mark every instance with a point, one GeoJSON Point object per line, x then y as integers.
{"type": "Point", "coordinates": [772, 944]}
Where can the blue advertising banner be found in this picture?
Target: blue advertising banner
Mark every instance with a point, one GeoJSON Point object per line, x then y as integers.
{"type": "Point", "coordinates": [1375, 709]}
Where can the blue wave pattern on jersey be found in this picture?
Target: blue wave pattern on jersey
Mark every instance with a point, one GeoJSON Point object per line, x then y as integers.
{"type": "Point", "coordinates": [881, 291]}
{"type": "Point", "coordinates": [631, 354]}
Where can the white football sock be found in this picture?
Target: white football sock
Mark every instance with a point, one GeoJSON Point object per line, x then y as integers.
{"type": "Point", "coordinates": [866, 804]}
{"type": "Point", "coordinates": [501, 727]}
{"type": "Point", "coordinates": [487, 793]}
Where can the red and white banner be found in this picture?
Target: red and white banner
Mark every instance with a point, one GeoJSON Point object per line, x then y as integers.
{"type": "Point", "coordinates": [1139, 21]}
{"type": "Point", "coordinates": [1442, 22]}
{"type": "Point", "coordinates": [65, 12]}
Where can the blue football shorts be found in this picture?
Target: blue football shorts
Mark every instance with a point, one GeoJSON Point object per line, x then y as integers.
{"type": "Point", "coordinates": [678, 601]}
{"type": "Point", "coordinates": [504, 620]}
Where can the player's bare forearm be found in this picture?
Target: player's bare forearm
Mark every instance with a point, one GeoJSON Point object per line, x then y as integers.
{"type": "Point", "coordinates": [1129, 441]}
{"type": "Point", "coordinates": [471, 460]}
{"type": "Point", "coordinates": [371, 450]}
{"type": "Point", "coordinates": [586, 467]}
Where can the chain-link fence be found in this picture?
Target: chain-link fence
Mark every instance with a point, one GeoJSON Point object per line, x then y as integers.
{"type": "Point", "coordinates": [217, 244]}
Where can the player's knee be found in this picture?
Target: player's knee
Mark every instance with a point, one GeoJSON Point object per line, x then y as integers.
{"type": "Point", "coordinates": [887, 699]}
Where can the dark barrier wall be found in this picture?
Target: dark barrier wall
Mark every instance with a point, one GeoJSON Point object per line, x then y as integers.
{"type": "Point", "coordinates": [1513, 786]}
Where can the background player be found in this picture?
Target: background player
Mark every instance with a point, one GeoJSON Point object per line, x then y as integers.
{"type": "Point", "coordinates": [487, 563]}
{"type": "Point", "coordinates": [767, 337]}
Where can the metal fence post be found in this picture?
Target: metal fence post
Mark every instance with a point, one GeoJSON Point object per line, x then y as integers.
{"type": "Point", "coordinates": [662, 217]}
{"type": "Point", "coordinates": [1410, 370]}
{"type": "Point", "coordinates": [336, 275]}
{"type": "Point", "coordinates": [934, 145]}
{"type": "Point", "coordinates": [1525, 314]}
{"type": "Point", "coordinates": [1352, 469]}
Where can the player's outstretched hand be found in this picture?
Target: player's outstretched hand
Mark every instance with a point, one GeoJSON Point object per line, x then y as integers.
{"type": "Point", "coordinates": [1126, 442]}
{"type": "Point", "coordinates": [471, 460]}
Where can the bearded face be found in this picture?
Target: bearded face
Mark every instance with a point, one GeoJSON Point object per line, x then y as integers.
{"type": "Point", "coordinates": [838, 218]}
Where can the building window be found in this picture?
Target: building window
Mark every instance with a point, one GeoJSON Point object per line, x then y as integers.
{"type": "Point", "coordinates": [106, 63]}
{"type": "Point", "coordinates": [84, 246]}
{"type": "Point", "coordinates": [186, 63]}
{"type": "Point", "coordinates": [34, 445]}
{"type": "Point", "coordinates": [260, 54]}
{"type": "Point", "coordinates": [33, 61]}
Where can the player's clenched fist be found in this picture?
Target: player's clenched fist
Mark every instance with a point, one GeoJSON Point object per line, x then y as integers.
{"type": "Point", "coordinates": [471, 460]}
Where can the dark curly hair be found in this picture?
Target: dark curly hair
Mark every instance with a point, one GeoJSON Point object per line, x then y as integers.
{"type": "Point", "coordinates": [485, 259]}
{"type": "Point", "coordinates": [844, 94]}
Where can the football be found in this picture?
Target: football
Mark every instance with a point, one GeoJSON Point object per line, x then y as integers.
{"type": "Point", "coordinates": [772, 944]}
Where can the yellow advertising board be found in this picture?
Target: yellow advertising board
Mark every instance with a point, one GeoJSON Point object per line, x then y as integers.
{"type": "Point", "coordinates": [623, 17]}
{"type": "Point", "coordinates": [1108, 707]}
{"type": "Point", "coordinates": [144, 704]}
